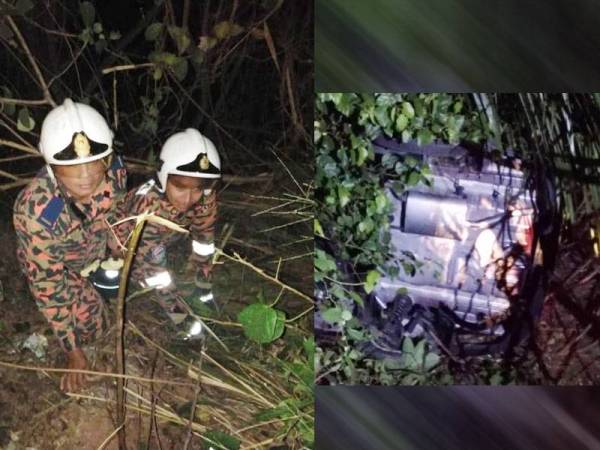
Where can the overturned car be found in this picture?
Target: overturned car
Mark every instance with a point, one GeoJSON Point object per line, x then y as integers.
{"type": "Point", "coordinates": [475, 239]}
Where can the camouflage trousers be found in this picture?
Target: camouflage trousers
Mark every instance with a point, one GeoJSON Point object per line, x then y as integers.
{"type": "Point", "coordinates": [82, 321]}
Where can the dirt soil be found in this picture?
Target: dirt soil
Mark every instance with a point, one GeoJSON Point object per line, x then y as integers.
{"type": "Point", "coordinates": [35, 414]}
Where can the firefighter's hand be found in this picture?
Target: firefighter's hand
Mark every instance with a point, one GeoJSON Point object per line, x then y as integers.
{"type": "Point", "coordinates": [73, 381]}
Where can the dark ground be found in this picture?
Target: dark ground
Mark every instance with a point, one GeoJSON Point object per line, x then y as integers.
{"type": "Point", "coordinates": [31, 400]}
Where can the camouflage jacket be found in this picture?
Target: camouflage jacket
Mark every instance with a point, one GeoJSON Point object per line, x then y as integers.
{"type": "Point", "coordinates": [57, 238]}
{"type": "Point", "coordinates": [156, 240]}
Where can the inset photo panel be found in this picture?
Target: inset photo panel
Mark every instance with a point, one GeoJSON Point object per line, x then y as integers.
{"type": "Point", "coordinates": [457, 238]}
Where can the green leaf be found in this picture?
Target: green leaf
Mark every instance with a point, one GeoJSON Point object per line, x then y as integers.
{"type": "Point", "coordinates": [157, 73]}
{"type": "Point", "coordinates": [114, 35]}
{"type": "Point", "coordinates": [153, 31]}
{"type": "Point", "coordinates": [413, 178]}
{"type": "Point", "coordinates": [346, 315]}
{"type": "Point", "coordinates": [226, 29]}
{"type": "Point", "coordinates": [25, 122]}
{"type": "Point", "coordinates": [318, 229]}
{"type": "Point", "coordinates": [332, 315]}
{"type": "Point", "coordinates": [424, 137]}
{"type": "Point", "coordinates": [401, 122]}
{"type": "Point", "coordinates": [24, 6]}
{"type": "Point", "coordinates": [362, 155]}
{"type": "Point", "coordinates": [402, 291]}
{"type": "Point", "coordinates": [357, 298]}
{"type": "Point", "coordinates": [281, 411]}
{"type": "Point", "coordinates": [344, 103]}
{"type": "Point", "coordinates": [382, 116]}
{"type": "Point", "coordinates": [408, 346]}
{"type": "Point", "coordinates": [223, 440]}
{"type": "Point", "coordinates": [309, 349]}
{"type": "Point", "coordinates": [262, 323]}
{"type": "Point", "coordinates": [457, 108]}
{"type": "Point", "coordinates": [431, 360]}
{"type": "Point", "coordinates": [496, 379]}
{"type": "Point", "coordinates": [408, 110]}
{"type": "Point", "coordinates": [372, 279]}
{"type": "Point", "coordinates": [419, 352]}
{"type": "Point", "coordinates": [180, 68]}
{"type": "Point", "coordinates": [366, 226]}
{"type": "Point", "coordinates": [389, 160]}
{"type": "Point", "coordinates": [181, 38]}
{"type": "Point", "coordinates": [88, 13]}
{"type": "Point", "coordinates": [411, 161]}
{"type": "Point", "coordinates": [344, 195]}
{"type": "Point", "coordinates": [381, 203]}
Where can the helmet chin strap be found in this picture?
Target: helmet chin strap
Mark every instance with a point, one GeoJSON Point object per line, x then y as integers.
{"type": "Point", "coordinates": [51, 173]}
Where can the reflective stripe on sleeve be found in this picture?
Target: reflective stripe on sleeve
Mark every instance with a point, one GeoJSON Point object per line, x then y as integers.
{"type": "Point", "coordinates": [160, 280]}
{"type": "Point", "coordinates": [203, 249]}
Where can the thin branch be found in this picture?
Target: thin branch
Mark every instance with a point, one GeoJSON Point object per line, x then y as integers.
{"type": "Point", "coordinates": [302, 314]}
{"type": "Point", "coordinates": [20, 101]}
{"type": "Point", "coordinates": [110, 436]}
{"type": "Point", "coordinates": [125, 67]}
{"type": "Point", "coordinates": [16, 145]}
{"type": "Point", "coordinates": [18, 158]}
{"type": "Point", "coordinates": [73, 61]}
{"type": "Point", "coordinates": [14, 184]}
{"type": "Point", "coordinates": [31, 59]}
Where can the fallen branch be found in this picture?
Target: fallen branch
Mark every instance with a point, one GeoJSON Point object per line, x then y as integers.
{"type": "Point", "coordinates": [110, 436]}
{"type": "Point", "coordinates": [93, 372]}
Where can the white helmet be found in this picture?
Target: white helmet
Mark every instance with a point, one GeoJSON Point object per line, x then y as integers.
{"type": "Point", "coordinates": [188, 153]}
{"type": "Point", "coordinates": [74, 133]}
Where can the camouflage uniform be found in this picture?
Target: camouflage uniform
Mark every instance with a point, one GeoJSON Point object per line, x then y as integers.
{"type": "Point", "coordinates": [58, 237]}
{"type": "Point", "coordinates": [157, 240]}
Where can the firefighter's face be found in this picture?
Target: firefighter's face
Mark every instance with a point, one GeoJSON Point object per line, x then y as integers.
{"type": "Point", "coordinates": [81, 180]}
{"type": "Point", "coordinates": [183, 192]}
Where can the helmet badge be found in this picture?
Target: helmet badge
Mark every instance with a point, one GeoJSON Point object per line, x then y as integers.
{"type": "Point", "coordinates": [204, 162]}
{"type": "Point", "coordinates": [81, 145]}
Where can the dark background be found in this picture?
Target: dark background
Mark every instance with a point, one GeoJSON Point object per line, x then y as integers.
{"type": "Point", "coordinates": [459, 417]}
{"type": "Point", "coordinates": [457, 45]}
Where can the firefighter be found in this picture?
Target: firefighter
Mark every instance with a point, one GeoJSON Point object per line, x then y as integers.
{"type": "Point", "coordinates": [183, 192]}
{"type": "Point", "coordinates": [60, 219]}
